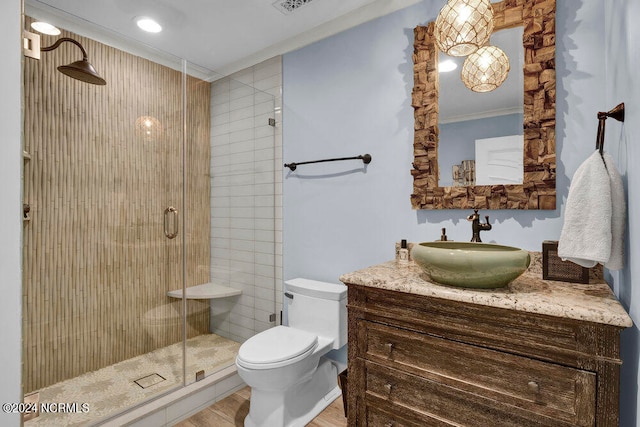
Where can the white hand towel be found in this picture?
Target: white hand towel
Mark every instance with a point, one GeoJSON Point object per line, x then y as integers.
{"type": "Point", "coordinates": [618, 216]}
{"type": "Point", "coordinates": [586, 233]}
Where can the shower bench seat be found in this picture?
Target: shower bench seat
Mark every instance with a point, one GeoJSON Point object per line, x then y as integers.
{"type": "Point", "coordinates": [206, 291]}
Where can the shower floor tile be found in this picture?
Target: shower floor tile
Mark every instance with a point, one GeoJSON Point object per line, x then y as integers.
{"type": "Point", "coordinates": [110, 390]}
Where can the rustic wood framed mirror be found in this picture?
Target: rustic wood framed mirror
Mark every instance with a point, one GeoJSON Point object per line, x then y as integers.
{"type": "Point", "coordinates": [538, 188]}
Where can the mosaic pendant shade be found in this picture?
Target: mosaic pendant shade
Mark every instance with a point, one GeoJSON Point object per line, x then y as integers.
{"type": "Point", "coordinates": [486, 69]}
{"type": "Point", "coordinates": [463, 26]}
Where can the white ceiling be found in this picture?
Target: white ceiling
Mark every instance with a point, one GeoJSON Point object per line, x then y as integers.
{"type": "Point", "coordinates": [224, 36]}
{"type": "Point", "coordinates": [220, 35]}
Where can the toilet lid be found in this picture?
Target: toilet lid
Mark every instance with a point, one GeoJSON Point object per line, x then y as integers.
{"type": "Point", "coordinates": [276, 344]}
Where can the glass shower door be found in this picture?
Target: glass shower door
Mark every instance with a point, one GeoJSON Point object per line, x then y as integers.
{"type": "Point", "coordinates": [165, 178]}
{"type": "Point", "coordinates": [103, 238]}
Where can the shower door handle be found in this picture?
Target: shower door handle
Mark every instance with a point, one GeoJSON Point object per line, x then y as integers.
{"type": "Point", "coordinates": [173, 213]}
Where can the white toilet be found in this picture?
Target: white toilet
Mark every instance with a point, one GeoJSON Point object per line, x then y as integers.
{"type": "Point", "coordinates": [291, 382]}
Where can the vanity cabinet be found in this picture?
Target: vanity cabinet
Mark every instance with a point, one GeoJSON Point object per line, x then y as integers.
{"type": "Point", "coordinates": [428, 360]}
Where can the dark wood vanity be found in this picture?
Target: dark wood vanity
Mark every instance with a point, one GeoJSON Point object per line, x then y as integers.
{"type": "Point", "coordinates": [536, 353]}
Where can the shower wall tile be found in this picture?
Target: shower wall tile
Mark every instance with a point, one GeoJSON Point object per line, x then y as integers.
{"type": "Point", "coordinates": [236, 103]}
{"type": "Point", "coordinates": [220, 129]}
{"type": "Point", "coordinates": [241, 147]}
{"type": "Point", "coordinates": [244, 320]}
{"type": "Point", "coordinates": [241, 201]}
{"type": "Point", "coordinates": [243, 76]}
{"type": "Point", "coordinates": [247, 279]}
{"type": "Point", "coordinates": [245, 135]}
{"type": "Point", "coordinates": [264, 236]}
{"type": "Point", "coordinates": [240, 160]}
{"type": "Point", "coordinates": [237, 233]}
{"type": "Point", "coordinates": [263, 130]}
{"type": "Point", "coordinates": [268, 68]}
{"type": "Point", "coordinates": [265, 259]}
{"type": "Point", "coordinates": [241, 124]}
{"type": "Point", "coordinates": [262, 326]}
{"type": "Point", "coordinates": [238, 333]}
{"type": "Point", "coordinates": [220, 91]}
{"type": "Point", "coordinates": [264, 305]}
{"type": "Point", "coordinates": [220, 119]}
{"type": "Point", "coordinates": [269, 84]}
{"type": "Point", "coordinates": [267, 200]}
{"type": "Point", "coordinates": [245, 113]}
{"type": "Point", "coordinates": [265, 294]}
{"type": "Point", "coordinates": [240, 91]}
{"type": "Point", "coordinates": [246, 173]}
{"type": "Point", "coordinates": [264, 212]}
{"type": "Point", "coordinates": [262, 143]}
{"type": "Point", "coordinates": [262, 108]}
{"type": "Point", "coordinates": [265, 247]}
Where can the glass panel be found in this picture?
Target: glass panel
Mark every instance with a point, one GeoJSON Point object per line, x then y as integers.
{"type": "Point", "coordinates": [105, 186]}
{"type": "Point", "coordinates": [230, 188]}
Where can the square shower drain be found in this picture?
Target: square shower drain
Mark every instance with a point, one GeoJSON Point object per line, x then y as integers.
{"type": "Point", "coordinates": [149, 380]}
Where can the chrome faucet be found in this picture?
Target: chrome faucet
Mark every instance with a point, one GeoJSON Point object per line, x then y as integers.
{"type": "Point", "coordinates": [476, 226]}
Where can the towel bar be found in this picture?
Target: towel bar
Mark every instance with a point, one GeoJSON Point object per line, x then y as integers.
{"type": "Point", "coordinates": [366, 159]}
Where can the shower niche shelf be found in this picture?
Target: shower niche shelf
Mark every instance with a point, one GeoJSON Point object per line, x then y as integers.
{"type": "Point", "coordinates": [206, 291]}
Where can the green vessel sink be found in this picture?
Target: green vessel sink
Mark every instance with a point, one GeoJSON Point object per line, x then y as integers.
{"type": "Point", "coordinates": [469, 264]}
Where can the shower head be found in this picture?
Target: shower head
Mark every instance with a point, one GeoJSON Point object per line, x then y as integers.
{"type": "Point", "coordinates": [83, 71]}
{"type": "Point", "coordinates": [80, 70]}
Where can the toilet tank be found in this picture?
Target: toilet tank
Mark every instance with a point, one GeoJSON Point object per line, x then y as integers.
{"type": "Point", "coordinates": [317, 307]}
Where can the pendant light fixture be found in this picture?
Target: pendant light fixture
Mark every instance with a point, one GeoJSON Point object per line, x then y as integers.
{"type": "Point", "coordinates": [463, 26]}
{"type": "Point", "coordinates": [486, 69]}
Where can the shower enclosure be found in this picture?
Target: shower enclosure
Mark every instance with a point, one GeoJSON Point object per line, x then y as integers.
{"type": "Point", "coordinates": [135, 192]}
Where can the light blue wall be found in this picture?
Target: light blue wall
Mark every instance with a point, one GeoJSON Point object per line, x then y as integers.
{"type": "Point", "coordinates": [351, 94]}
{"type": "Point", "coordinates": [11, 212]}
{"type": "Point", "coordinates": [457, 140]}
{"type": "Point", "coordinates": [623, 142]}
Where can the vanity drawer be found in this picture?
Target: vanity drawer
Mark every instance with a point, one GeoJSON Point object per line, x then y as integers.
{"type": "Point", "coordinates": [428, 399]}
{"type": "Point", "coordinates": [398, 417]}
{"type": "Point", "coordinates": [545, 388]}
{"type": "Point", "coordinates": [522, 333]}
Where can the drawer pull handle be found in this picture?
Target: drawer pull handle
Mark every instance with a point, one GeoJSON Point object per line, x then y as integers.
{"type": "Point", "coordinates": [534, 387]}
{"type": "Point", "coordinates": [388, 386]}
{"type": "Point", "coordinates": [390, 347]}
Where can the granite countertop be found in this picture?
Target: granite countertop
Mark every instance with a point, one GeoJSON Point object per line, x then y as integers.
{"type": "Point", "coordinates": [593, 302]}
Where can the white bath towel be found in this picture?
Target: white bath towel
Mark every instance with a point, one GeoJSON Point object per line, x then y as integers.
{"type": "Point", "coordinates": [618, 216]}
{"type": "Point", "coordinates": [586, 233]}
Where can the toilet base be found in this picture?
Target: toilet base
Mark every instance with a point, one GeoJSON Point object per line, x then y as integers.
{"type": "Point", "coordinates": [298, 405]}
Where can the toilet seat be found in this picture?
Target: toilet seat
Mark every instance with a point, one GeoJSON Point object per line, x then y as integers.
{"type": "Point", "coordinates": [275, 347]}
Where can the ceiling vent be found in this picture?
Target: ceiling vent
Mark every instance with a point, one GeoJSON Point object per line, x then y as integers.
{"type": "Point", "coordinates": [288, 6]}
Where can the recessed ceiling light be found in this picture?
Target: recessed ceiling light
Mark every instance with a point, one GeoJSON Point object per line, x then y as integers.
{"type": "Point", "coordinates": [148, 25]}
{"type": "Point", "coordinates": [45, 28]}
{"type": "Point", "coordinates": [446, 66]}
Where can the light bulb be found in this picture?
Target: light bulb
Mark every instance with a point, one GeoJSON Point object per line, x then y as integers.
{"type": "Point", "coordinates": [148, 24]}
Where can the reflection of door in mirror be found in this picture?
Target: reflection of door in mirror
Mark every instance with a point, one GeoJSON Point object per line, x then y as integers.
{"type": "Point", "coordinates": [466, 116]}
{"type": "Point", "coordinates": [500, 160]}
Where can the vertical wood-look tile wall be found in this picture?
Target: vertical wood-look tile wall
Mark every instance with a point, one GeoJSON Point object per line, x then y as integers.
{"type": "Point", "coordinates": [97, 265]}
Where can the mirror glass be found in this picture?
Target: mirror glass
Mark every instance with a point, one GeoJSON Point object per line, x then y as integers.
{"type": "Point", "coordinates": [481, 134]}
